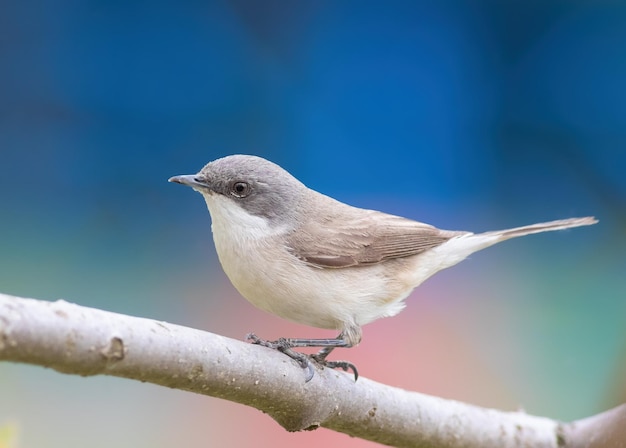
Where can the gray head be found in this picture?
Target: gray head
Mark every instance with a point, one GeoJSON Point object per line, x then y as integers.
{"type": "Point", "coordinates": [259, 186]}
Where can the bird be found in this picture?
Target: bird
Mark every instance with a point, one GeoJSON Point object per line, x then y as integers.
{"type": "Point", "coordinates": [311, 259]}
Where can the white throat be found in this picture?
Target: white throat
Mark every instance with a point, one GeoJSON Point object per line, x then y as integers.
{"type": "Point", "coordinates": [232, 222]}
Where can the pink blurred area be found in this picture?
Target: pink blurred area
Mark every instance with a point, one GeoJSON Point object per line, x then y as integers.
{"type": "Point", "coordinates": [427, 348]}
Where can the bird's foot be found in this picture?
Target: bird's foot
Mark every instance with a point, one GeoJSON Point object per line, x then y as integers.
{"type": "Point", "coordinates": [346, 366]}
{"type": "Point", "coordinates": [285, 346]}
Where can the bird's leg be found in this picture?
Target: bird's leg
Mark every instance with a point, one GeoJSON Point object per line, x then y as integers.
{"type": "Point", "coordinates": [322, 354]}
{"type": "Point", "coordinates": [285, 346]}
{"type": "Point", "coordinates": [320, 357]}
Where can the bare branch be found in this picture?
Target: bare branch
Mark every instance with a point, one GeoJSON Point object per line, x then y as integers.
{"type": "Point", "coordinates": [605, 430]}
{"type": "Point", "coordinates": [85, 341]}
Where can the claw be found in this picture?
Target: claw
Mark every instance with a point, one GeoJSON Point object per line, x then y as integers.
{"type": "Point", "coordinates": [343, 365]}
{"type": "Point", "coordinates": [310, 371]}
{"type": "Point", "coordinates": [254, 339]}
{"type": "Point", "coordinates": [251, 337]}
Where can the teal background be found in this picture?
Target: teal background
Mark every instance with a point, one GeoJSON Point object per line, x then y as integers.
{"type": "Point", "coordinates": [466, 115]}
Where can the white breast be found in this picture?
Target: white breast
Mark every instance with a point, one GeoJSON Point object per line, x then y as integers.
{"type": "Point", "coordinates": [271, 278]}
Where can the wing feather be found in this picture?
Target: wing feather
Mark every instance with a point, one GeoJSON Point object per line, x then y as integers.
{"type": "Point", "coordinates": [363, 237]}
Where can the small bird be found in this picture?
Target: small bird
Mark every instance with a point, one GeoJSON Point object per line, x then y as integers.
{"type": "Point", "coordinates": [311, 259]}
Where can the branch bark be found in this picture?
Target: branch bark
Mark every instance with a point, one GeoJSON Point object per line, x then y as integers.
{"type": "Point", "coordinates": [84, 341]}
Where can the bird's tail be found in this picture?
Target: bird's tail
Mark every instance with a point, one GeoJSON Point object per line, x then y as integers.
{"type": "Point", "coordinates": [503, 235]}
{"type": "Point", "coordinates": [462, 245]}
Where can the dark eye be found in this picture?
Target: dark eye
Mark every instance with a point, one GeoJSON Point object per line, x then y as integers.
{"type": "Point", "coordinates": [240, 189]}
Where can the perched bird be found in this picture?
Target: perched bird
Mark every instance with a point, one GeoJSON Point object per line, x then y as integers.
{"type": "Point", "coordinates": [311, 259]}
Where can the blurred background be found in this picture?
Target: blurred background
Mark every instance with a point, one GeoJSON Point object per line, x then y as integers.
{"type": "Point", "coordinates": [467, 115]}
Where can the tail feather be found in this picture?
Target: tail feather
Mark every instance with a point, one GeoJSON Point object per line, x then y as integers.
{"type": "Point", "coordinates": [561, 224]}
{"type": "Point", "coordinates": [462, 245]}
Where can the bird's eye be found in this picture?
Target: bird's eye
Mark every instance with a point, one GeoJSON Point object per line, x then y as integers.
{"type": "Point", "coordinates": [240, 189]}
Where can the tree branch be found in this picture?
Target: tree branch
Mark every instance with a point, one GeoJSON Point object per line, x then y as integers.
{"type": "Point", "coordinates": [85, 341]}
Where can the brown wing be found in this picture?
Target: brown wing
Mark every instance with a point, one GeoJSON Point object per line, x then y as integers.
{"type": "Point", "coordinates": [365, 237]}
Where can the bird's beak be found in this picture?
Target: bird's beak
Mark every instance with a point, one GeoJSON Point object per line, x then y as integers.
{"type": "Point", "coordinates": [191, 180]}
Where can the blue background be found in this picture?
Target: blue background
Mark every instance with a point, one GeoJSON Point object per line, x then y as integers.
{"type": "Point", "coordinates": [467, 115]}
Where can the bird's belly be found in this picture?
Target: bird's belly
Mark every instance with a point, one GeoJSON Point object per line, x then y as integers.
{"type": "Point", "coordinates": [275, 281]}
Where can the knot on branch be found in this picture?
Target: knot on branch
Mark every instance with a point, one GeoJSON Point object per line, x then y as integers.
{"type": "Point", "coordinates": [115, 350]}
